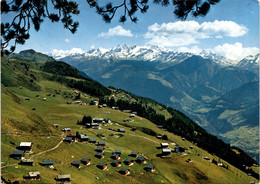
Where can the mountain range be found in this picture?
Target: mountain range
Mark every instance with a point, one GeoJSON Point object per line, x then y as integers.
{"type": "Point", "coordinates": [219, 94]}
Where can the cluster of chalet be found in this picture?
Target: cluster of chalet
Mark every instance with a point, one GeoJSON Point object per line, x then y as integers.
{"type": "Point", "coordinates": [77, 163]}
{"type": "Point", "coordinates": [97, 122]}
{"type": "Point", "coordinates": [116, 155]}
{"type": "Point", "coordinates": [167, 151]}
{"type": "Point", "coordinates": [22, 149]}
{"type": "Point", "coordinates": [72, 136]}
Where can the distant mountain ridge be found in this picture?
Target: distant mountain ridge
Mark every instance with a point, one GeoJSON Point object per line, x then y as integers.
{"type": "Point", "coordinates": [151, 54]}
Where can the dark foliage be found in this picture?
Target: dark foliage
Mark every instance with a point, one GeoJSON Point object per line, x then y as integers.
{"type": "Point", "coordinates": [61, 68]}
{"type": "Point", "coordinates": [87, 86]}
{"type": "Point", "coordinates": [86, 119]}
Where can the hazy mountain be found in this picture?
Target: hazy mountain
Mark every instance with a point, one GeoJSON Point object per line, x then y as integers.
{"type": "Point", "coordinates": [250, 63]}
{"type": "Point", "coordinates": [195, 84]}
{"type": "Point", "coordinates": [32, 55]}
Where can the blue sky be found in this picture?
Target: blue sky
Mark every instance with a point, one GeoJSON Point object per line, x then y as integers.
{"type": "Point", "coordinates": [231, 29]}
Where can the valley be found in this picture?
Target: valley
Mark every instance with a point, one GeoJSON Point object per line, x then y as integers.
{"type": "Point", "coordinates": [219, 94]}
{"type": "Point", "coordinates": [35, 96]}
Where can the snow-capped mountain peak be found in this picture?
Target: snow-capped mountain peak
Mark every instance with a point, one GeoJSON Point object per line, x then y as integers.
{"type": "Point", "coordinates": [149, 53]}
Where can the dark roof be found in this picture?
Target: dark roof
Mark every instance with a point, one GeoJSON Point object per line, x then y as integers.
{"type": "Point", "coordinates": [140, 158]}
{"type": "Point", "coordinates": [114, 154]}
{"type": "Point", "coordinates": [124, 169]}
{"type": "Point", "coordinates": [116, 161]}
{"type": "Point", "coordinates": [84, 159]}
{"type": "Point", "coordinates": [134, 153]}
{"type": "Point", "coordinates": [101, 164]}
{"type": "Point", "coordinates": [118, 151]}
{"type": "Point", "coordinates": [75, 162]}
{"type": "Point", "coordinates": [100, 149]}
{"type": "Point", "coordinates": [99, 154]}
{"type": "Point", "coordinates": [48, 162]}
{"type": "Point", "coordinates": [68, 139]}
{"type": "Point", "coordinates": [63, 176]}
{"type": "Point", "coordinates": [18, 152]}
{"type": "Point", "coordinates": [149, 166]}
{"type": "Point", "coordinates": [128, 160]}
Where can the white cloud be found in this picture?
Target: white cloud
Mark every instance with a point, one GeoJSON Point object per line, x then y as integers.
{"type": "Point", "coordinates": [234, 51]}
{"type": "Point", "coordinates": [116, 31]}
{"type": "Point", "coordinates": [194, 49]}
{"type": "Point", "coordinates": [62, 53]}
{"type": "Point", "coordinates": [183, 33]}
{"type": "Point", "coordinates": [67, 40]}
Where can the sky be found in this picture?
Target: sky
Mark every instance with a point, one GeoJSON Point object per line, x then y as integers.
{"type": "Point", "coordinates": [230, 29]}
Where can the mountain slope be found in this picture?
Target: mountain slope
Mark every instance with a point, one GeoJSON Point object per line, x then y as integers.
{"type": "Point", "coordinates": [172, 169]}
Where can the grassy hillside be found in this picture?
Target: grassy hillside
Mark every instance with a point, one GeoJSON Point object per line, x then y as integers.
{"type": "Point", "coordinates": [21, 123]}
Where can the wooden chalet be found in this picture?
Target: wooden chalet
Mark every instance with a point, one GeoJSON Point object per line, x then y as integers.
{"type": "Point", "coordinates": [83, 138]}
{"type": "Point", "coordinates": [134, 154]}
{"type": "Point", "coordinates": [100, 149]}
{"type": "Point", "coordinates": [166, 152]}
{"type": "Point", "coordinates": [164, 145]}
{"type": "Point", "coordinates": [66, 129]}
{"type": "Point", "coordinates": [98, 120]}
{"type": "Point", "coordinates": [24, 161]}
{"type": "Point", "coordinates": [124, 171]}
{"type": "Point", "coordinates": [107, 120]}
{"type": "Point", "coordinates": [140, 160]}
{"type": "Point", "coordinates": [102, 166]}
{"type": "Point", "coordinates": [34, 175]}
{"type": "Point", "coordinates": [17, 154]}
{"type": "Point", "coordinates": [115, 108]}
{"type": "Point", "coordinates": [121, 130]}
{"type": "Point", "coordinates": [115, 156]}
{"type": "Point", "coordinates": [48, 163]}
{"type": "Point", "coordinates": [101, 143]}
{"type": "Point", "coordinates": [132, 116]}
{"type": "Point", "coordinates": [129, 162]}
{"type": "Point", "coordinates": [27, 146]}
{"type": "Point", "coordinates": [68, 139]}
{"type": "Point", "coordinates": [72, 135]}
{"type": "Point", "coordinates": [134, 129]}
{"type": "Point", "coordinates": [76, 163]}
{"type": "Point", "coordinates": [150, 168]}
{"type": "Point", "coordinates": [99, 155]}
{"type": "Point", "coordinates": [85, 161]}
{"type": "Point", "coordinates": [127, 120]}
{"type": "Point", "coordinates": [118, 152]}
{"type": "Point", "coordinates": [63, 177]}
{"type": "Point", "coordinates": [92, 140]}
{"type": "Point", "coordinates": [127, 111]}
{"type": "Point", "coordinates": [96, 127]}
{"type": "Point", "coordinates": [116, 163]}
{"type": "Point", "coordinates": [55, 125]}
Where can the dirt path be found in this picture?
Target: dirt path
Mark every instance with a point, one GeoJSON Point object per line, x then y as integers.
{"type": "Point", "coordinates": [51, 149]}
